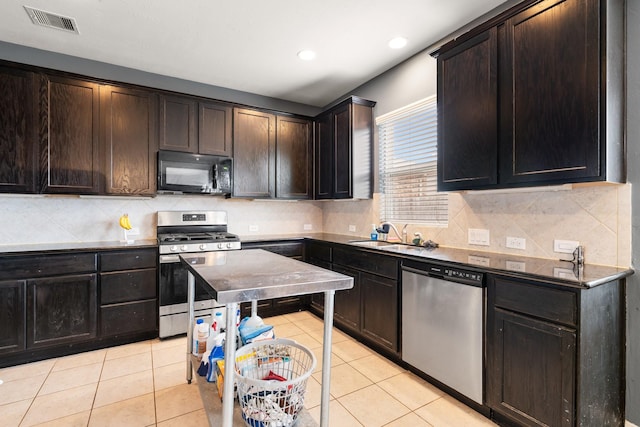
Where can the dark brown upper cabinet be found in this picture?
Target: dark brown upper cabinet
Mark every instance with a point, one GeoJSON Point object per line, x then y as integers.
{"type": "Point", "coordinates": [178, 122]}
{"type": "Point", "coordinates": [129, 129]}
{"type": "Point", "coordinates": [559, 88]}
{"type": "Point", "coordinates": [294, 158]}
{"type": "Point", "coordinates": [253, 153]}
{"type": "Point", "coordinates": [190, 125]}
{"type": "Point", "coordinates": [271, 155]}
{"type": "Point", "coordinates": [70, 145]}
{"type": "Point", "coordinates": [468, 114]}
{"type": "Point", "coordinates": [215, 129]}
{"type": "Point", "coordinates": [18, 131]}
{"type": "Point", "coordinates": [344, 151]}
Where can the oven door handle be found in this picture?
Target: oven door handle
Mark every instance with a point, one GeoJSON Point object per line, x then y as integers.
{"type": "Point", "coordinates": [166, 259]}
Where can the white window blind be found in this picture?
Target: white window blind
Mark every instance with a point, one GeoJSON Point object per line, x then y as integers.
{"type": "Point", "coordinates": [408, 158]}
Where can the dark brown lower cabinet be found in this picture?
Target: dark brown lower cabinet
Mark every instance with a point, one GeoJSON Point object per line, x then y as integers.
{"type": "Point", "coordinates": [554, 353]}
{"type": "Point", "coordinates": [379, 314]}
{"type": "Point", "coordinates": [61, 310]}
{"type": "Point", "coordinates": [12, 322]}
{"type": "Point", "coordinates": [63, 302]}
{"type": "Point", "coordinates": [536, 369]}
{"type": "Point", "coordinates": [346, 308]}
{"type": "Point", "coordinates": [272, 307]}
{"type": "Point", "coordinates": [369, 310]}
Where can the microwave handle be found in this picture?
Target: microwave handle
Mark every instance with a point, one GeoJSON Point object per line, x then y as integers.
{"type": "Point", "coordinates": [214, 176]}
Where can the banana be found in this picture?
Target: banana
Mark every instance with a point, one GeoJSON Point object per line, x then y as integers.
{"type": "Point", "coordinates": [124, 222]}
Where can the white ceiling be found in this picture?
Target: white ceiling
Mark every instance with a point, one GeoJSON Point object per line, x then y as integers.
{"type": "Point", "coordinates": [247, 45]}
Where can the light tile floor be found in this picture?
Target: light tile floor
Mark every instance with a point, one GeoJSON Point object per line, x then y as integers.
{"type": "Point", "coordinates": [143, 384]}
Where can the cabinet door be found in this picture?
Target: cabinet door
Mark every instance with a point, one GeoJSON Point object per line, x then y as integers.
{"type": "Point", "coordinates": [12, 316]}
{"type": "Point", "coordinates": [293, 158]}
{"type": "Point", "coordinates": [178, 124]}
{"type": "Point", "coordinates": [70, 150]}
{"type": "Point", "coordinates": [129, 126]}
{"type": "Point", "coordinates": [214, 133]}
{"type": "Point", "coordinates": [324, 158]}
{"type": "Point", "coordinates": [18, 131]}
{"type": "Point", "coordinates": [253, 154]}
{"type": "Point", "coordinates": [347, 302]}
{"type": "Point", "coordinates": [467, 114]}
{"type": "Point", "coordinates": [61, 310]}
{"type": "Point", "coordinates": [380, 309]}
{"type": "Point", "coordinates": [531, 370]}
{"type": "Point", "coordinates": [343, 160]}
{"type": "Point", "coordinates": [550, 83]}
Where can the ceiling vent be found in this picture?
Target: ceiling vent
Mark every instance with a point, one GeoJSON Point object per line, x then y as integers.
{"type": "Point", "coordinates": [52, 20]}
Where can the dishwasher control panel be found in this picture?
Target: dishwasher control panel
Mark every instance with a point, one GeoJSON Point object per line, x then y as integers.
{"type": "Point", "coordinates": [452, 274]}
{"type": "Point", "coordinates": [460, 274]}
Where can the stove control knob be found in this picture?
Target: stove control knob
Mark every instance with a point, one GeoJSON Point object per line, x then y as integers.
{"type": "Point", "coordinates": [203, 246]}
{"type": "Point", "coordinates": [183, 247]}
{"type": "Point", "coordinates": [229, 245]}
{"type": "Point", "coordinates": [220, 246]}
{"type": "Point", "coordinates": [173, 248]}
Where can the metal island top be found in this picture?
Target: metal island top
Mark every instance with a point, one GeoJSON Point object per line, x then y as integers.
{"type": "Point", "coordinates": [233, 277]}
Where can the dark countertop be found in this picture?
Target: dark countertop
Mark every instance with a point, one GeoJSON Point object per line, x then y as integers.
{"type": "Point", "coordinates": [547, 270]}
{"type": "Point", "coordinates": [35, 248]}
{"type": "Point", "coordinates": [255, 274]}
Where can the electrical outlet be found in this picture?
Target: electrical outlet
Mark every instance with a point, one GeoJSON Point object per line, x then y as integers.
{"type": "Point", "coordinates": [308, 227]}
{"type": "Point", "coordinates": [516, 266]}
{"type": "Point", "coordinates": [517, 243]}
{"type": "Point", "coordinates": [352, 228]}
{"type": "Point", "coordinates": [253, 227]}
{"type": "Point", "coordinates": [479, 236]}
{"type": "Point", "coordinates": [565, 246]}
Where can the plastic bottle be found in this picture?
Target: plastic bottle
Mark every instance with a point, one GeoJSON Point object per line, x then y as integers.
{"type": "Point", "coordinates": [200, 334]}
{"type": "Point", "coordinates": [214, 330]}
{"type": "Point", "coordinates": [374, 232]}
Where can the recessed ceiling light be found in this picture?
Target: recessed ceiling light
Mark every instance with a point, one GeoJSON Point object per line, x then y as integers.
{"type": "Point", "coordinates": [306, 55]}
{"type": "Point", "coordinates": [397, 43]}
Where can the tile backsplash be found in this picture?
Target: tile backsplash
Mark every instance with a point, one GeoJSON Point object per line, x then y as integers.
{"type": "Point", "coordinates": [50, 219]}
{"type": "Point", "coordinates": [599, 217]}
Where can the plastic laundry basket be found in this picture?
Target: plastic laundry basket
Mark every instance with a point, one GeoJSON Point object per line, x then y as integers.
{"type": "Point", "coordinates": [271, 378]}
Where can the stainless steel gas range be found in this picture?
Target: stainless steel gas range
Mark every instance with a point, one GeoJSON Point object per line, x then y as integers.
{"type": "Point", "coordinates": [181, 232]}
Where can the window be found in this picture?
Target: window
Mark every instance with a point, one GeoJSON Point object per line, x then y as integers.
{"type": "Point", "coordinates": [408, 158]}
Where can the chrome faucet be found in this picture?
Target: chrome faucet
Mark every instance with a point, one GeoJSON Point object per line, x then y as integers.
{"type": "Point", "coordinates": [383, 228]}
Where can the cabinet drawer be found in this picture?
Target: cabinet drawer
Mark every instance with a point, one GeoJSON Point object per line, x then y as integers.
{"type": "Point", "coordinates": [24, 267]}
{"type": "Point", "coordinates": [319, 252]}
{"type": "Point", "coordinates": [546, 303]}
{"type": "Point", "coordinates": [128, 260]}
{"type": "Point", "coordinates": [129, 317]}
{"type": "Point", "coordinates": [382, 265]}
{"type": "Point", "coordinates": [128, 286]}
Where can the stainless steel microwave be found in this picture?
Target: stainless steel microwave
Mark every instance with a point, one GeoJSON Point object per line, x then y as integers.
{"type": "Point", "coordinates": [194, 173]}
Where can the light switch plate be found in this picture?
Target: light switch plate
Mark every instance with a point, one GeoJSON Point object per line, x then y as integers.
{"type": "Point", "coordinates": [565, 246]}
{"type": "Point", "coordinates": [253, 227]}
{"type": "Point", "coordinates": [308, 227]}
{"type": "Point", "coordinates": [352, 228]}
{"type": "Point", "coordinates": [479, 236]}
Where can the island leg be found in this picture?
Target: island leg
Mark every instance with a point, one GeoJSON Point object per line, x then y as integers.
{"type": "Point", "coordinates": [229, 365]}
{"type": "Point", "coordinates": [326, 358]}
{"type": "Point", "coordinates": [191, 295]}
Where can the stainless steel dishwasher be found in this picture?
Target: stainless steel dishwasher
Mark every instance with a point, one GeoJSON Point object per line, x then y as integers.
{"type": "Point", "coordinates": [442, 324]}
